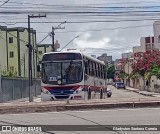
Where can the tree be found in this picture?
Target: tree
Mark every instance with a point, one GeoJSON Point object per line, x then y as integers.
{"type": "Point", "coordinates": [144, 61]}
{"type": "Point", "coordinates": [153, 70]}
{"type": "Point", "coordinates": [110, 72]}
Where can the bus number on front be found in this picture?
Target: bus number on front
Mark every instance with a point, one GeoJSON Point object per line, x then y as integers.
{"type": "Point", "coordinates": [53, 79]}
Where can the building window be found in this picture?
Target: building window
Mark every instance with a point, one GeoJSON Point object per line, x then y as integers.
{"type": "Point", "coordinates": [40, 52]}
{"type": "Point", "coordinates": [11, 54]}
{"type": "Point", "coordinates": [10, 39]}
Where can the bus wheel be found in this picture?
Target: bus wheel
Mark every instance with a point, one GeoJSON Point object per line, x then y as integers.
{"type": "Point", "coordinates": [101, 94]}
{"type": "Point", "coordinates": [89, 94]}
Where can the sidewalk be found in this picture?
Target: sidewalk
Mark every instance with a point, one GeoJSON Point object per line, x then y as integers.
{"type": "Point", "coordinates": [146, 93]}
{"type": "Point", "coordinates": [35, 99]}
{"type": "Point", "coordinates": [56, 106]}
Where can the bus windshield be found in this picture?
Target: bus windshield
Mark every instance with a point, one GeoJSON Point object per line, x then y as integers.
{"type": "Point", "coordinates": [66, 72]}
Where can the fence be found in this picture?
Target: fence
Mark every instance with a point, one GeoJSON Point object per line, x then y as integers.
{"type": "Point", "coordinates": [17, 88]}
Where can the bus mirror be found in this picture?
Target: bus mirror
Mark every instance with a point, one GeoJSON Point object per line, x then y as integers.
{"type": "Point", "coordinates": [38, 68]}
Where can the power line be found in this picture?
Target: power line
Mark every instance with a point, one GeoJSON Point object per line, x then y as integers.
{"type": "Point", "coordinates": [4, 3]}
{"type": "Point", "coordinates": [82, 5]}
{"type": "Point", "coordinates": [105, 29]}
{"type": "Point", "coordinates": [91, 21]}
{"type": "Point", "coordinates": [76, 12]}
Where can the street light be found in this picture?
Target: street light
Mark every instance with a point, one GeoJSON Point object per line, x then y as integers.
{"type": "Point", "coordinates": [69, 42]}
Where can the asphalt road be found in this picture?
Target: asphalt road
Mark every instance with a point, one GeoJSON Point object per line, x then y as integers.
{"type": "Point", "coordinates": [124, 93]}
{"type": "Point", "coordinates": [141, 116]}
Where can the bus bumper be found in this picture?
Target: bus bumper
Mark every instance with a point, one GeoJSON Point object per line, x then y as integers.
{"type": "Point", "coordinates": [50, 97]}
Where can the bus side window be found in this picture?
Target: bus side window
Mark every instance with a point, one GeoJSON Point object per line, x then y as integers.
{"type": "Point", "coordinates": [104, 68]}
{"type": "Point", "coordinates": [86, 66]}
{"type": "Point", "coordinates": [99, 70]}
{"type": "Point", "coordinates": [102, 72]}
{"type": "Point", "coordinates": [90, 68]}
{"type": "Point", "coordinates": [96, 67]}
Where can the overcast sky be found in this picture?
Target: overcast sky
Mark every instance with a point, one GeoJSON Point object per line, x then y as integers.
{"type": "Point", "coordinates": [96, 38]}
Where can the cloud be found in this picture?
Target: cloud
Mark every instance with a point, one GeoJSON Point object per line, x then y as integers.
{"type": "Point", "coordinates": [86, 41]}
{"type": "Point", "coordinates": [113, 42]}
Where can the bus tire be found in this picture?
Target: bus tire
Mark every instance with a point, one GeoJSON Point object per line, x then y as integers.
{"type": "Point", "coordinates": [89, 94]}
{"type": "Point", "coordinates": [101, 94]}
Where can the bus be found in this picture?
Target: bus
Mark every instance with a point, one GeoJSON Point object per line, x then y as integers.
{"type": "Point", "coordinates": [72, 75]}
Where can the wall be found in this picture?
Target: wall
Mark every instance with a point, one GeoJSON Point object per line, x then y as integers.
{"type": "Point", "coordinates": [17, 88]}
{"type": "Point", "coordinates": [154, 84]}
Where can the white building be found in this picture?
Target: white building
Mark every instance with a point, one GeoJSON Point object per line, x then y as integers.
{"type": "Point", "coordinates": [156, 31]}
{"type": "Point", "coordinates": [146, 43]}
{"type": "Point", "coordinates": [127, 55]}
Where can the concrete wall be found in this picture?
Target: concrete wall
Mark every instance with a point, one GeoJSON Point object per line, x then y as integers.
{"type": "Point", "coordinates": [154, 85]}
{"type": "Point", "coordinates": [17, 88]}
{"type": "Point", "coordinates": [3, 48]}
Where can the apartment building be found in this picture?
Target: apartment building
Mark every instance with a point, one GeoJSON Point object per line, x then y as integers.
{"type": "Point", "coordinates": [107, 59]}
{"type": "Point", "coordinates": [146, 43]}
{"type": "Point", "coordinates": [127, 55]}
{"type": "Point", "coordinates": [14, 52]}
{"type": "Point", "coordinates": [156, 31]}
{"type": "Point", "coordinates": [3, 48]}
{"type": "Point", "coordinates": [43, 48]}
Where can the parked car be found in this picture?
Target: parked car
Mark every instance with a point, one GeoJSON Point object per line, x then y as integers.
{"type": "Point", "coordinates": [109, 92]}
{"type": "Point", "coordinates": [120, 85]}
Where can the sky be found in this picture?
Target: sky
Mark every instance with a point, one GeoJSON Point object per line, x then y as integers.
{"type": "Point", "coordinates": [103, 26]}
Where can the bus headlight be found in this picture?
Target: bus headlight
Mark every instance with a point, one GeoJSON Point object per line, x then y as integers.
{"type": "Point", "coordinates": [79, 90]}
{"type": "Point", "coordinates": [45, 91]}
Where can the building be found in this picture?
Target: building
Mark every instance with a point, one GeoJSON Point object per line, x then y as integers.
{"type": "Point", "coordinates": [156, 31]}
{"type": "Point", "coordinates": [127, 55]}
{"type": "Point", "coordinates": [107, 59]}
{"type": "Point", "coordinates": [43, 48]}
{"type": "Point", "coordinates": [14, 51]}
{"type": "Point", "coordinates": [94, 56]}
{"type": "Point", "coordinates": [18, 51]}
{"type": "Point", "coordinates": [3, 48]}
{"type": "Point", "coordinates": [146, 43]}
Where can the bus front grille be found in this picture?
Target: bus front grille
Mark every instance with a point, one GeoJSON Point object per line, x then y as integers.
{"type": "Point", "coordinates": [62, 96]}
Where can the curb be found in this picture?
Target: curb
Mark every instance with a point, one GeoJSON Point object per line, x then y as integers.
{"type": "Point", "coordinates": [141, 93]}
{"type": "Point", "coordinates": [73, 107]}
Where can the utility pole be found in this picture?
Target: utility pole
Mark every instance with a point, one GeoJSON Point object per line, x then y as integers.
{"type": "Point", "coordinates": [1, 92]}
{"type": "Point", "coordinates": [53, 34]}
{"type": "Point", "coordinates": [30, 56]}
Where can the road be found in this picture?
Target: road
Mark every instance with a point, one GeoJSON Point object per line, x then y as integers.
{"type": "Point", "coordinates": [124, 93]}
{"type": "Point", "coordinates": [117, 94]}
{"type": "Point", "coordinates": [139, 116]}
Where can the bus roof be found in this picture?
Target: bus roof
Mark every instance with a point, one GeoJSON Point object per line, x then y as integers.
{"type": "Point", "coordinates": [84, 55]}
